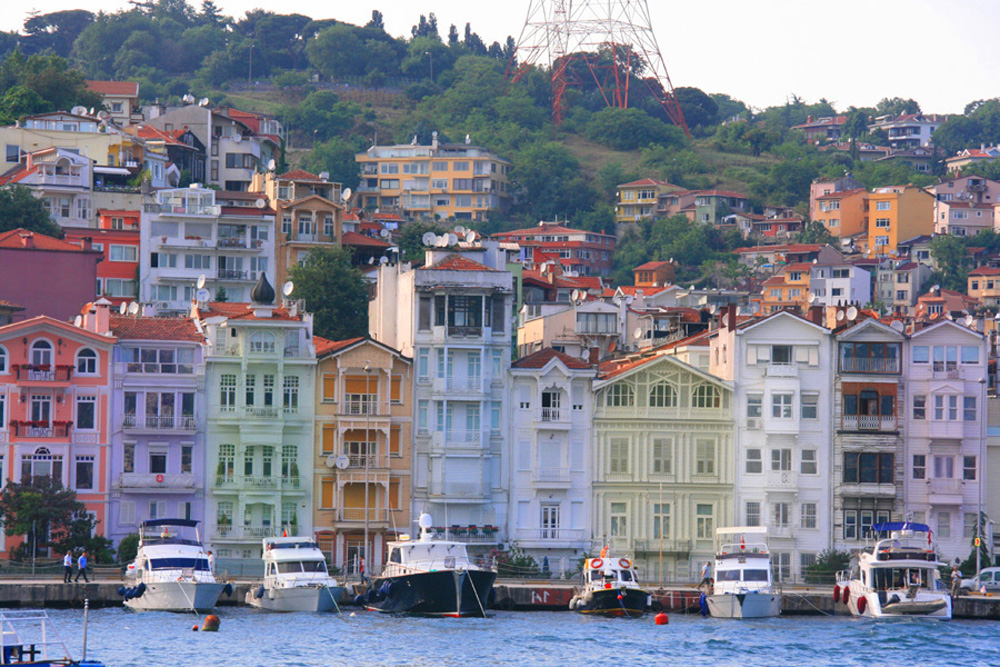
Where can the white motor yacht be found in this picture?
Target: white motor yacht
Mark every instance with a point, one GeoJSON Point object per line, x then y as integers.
{"type": "Point", "coordinates": [170, 571]}
{"type": "Point", "coordinates": [895, 577]}
{"type": "Point", "coordinates": [743, 585]}
{"type": "Point", "coordinates": [295, 578]}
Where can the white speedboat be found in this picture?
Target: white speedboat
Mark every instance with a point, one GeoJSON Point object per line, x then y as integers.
{"type": "Point", "coordinates": [170, 571]}
{"type": "Point", "coordinates": [895, 577]}
{"type": "Point", "coordinates": [743, 585]}
{"type": "Point", "coordinates": [295, 578]}
{"type": "Point", "coordinates": [610, 588]}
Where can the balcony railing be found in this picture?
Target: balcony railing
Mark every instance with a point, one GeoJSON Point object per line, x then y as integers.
{"type": "Point", "coordinates": [945, 486]}
{"type": "Point", "coordinates": [551, 475]}
{"type": "Point", "coordinates": [478, 534]}
{"type": "Point", "coordinates": [782, 370]}
{"type": "Point", "coordinates": [233, 274]}
{"type": "Point", "coordinates": [32, 429]}
{"type": "Point", "coordinates": [551, 414]}
{"type": "Point", "coordinates": [372, 461]}
{"type": "Point", "coordinates": [868, 365]}
{"type": "Point", "coordinates": [667, 545]}
{"type": "Point", "coordinates": [184, 422]}
{"type": "Point", "coordinates": [232, 242]}
{"type": "Point", "coordinates": [474, 383]}
{"type": "Point", "coordinates": [253, 482]}
{"type": "Point", "coordinates": [464, 437]}
{"type": "Point", "coordinates": [358, 514]}
{"type": "Point", "coordinates": [361, 407]}
{"type": "Point", "coordinates": [153, 481]}
{"type": "Point", "coordinates": [43, 372]}
{"type": "Point", "coordinates": [549, 534]}
{"type": "Point", "coordinates": [458, 490]}
{"type": "Point", "coordinates": [266, 412]}
{"type": "Point", "coordinates": [869, 423]}
{"type": "Point", "coordinates": [465, 332]}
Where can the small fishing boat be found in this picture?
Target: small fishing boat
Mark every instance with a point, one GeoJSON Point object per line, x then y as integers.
{"type": "Point", "coordinates": [429, 577]}
{"type": "Point", "coordinates": [743, 586]}
{"type": "Point", "coordinates": [896, 576]}
{"type": "Point", "coordinates": [170, 571]}
{"type": "Point", "coordinates": [610, 588]}
{"type": "Point", "coordinates": [295, 578]}
{"type": "Point", "coordinates": [29, 637]}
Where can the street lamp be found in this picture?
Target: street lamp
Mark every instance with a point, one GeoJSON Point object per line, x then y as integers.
{"type": "Point", "coordinates": [983, 414]}
{"type": "Point", "coordinates": [368, 413]}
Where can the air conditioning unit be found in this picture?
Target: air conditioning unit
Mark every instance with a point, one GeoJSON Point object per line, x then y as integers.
{"type": "Point", "coordinates": [163, 305]}
{"type": "Point", "coordinates": [753, 423]}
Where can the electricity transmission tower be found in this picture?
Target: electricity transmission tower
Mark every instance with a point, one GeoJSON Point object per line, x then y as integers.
{"type": "Point", "coordinates": [610, 41]}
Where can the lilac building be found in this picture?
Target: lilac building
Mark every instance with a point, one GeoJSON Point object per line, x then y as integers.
{"type": "Point", "coordinates": [158, 413]}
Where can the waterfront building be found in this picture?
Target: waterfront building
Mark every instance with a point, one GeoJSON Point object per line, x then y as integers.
{"type": "Point", "coordinates": [578, 252]}
{"type": "Point", "coordinates": [782, 369]}
{"type": "Point", "coordinates": [117, 237]}
{"type": "Point", "coordinates": [55, 383]}
{"type": "Point", "coordinates": [439, 181]}
{"type": "Point", "coordinates": [452, 316]}
{"type": "Point", "coordinates": [260, 377]}
{"type": "Point", "coordinates": [197, 231]}
{"type": "Point", "coordinates": [663, 463]}
{"type": "Point", "coordinates": [363, 462]}
{"type": "Point", "coordinates": [946, 378]}
{"type": "Point", "coordinates": [898, 283]}
{"type": "Point", "coordinates": [843, 213]}
{"type": "Point", "coordinates": [551, 462]}
{"type": "Point", "coordinates": [158, 416]}
{"type": "Point", "coordinates": [897, 213]}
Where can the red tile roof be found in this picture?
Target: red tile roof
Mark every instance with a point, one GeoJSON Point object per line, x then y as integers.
{"type": "Point", "coordinates": [7, 305]}
{"type": "Point", "coordinates": [16, 173]}
{"type": "Point", "coordinates": [325, 346]}
{"type": "Point", "coordinates": [651, 266]}
{"type": "Point", "coordinates": [155, 328]}
{"type": "Point", "coordinates": [543, 230]}
{"type": "Point", "coordinates": [150, 132]}
{"type": "Point", "coordinates": [790, 248]}
{"type": "Point", "coordinates": [545, 355]}
{"type": "Point", "coordinates": [12, 239]}
{"type": "Point", "coordinates": [457, 263]}
{"type": "Point", "coordinates": [115, 211]}
{"type": "Point", "coordinates": [632, 290]}
{"type": "Point", "coordinates": [241, 311]}
{"type": "Point", "coordinates": [985, 271]}
{"type": "Point", "coordinates": [299, 175]}
{"type": "Point", "coordinates": [126, 88]}
{"type": "Point", "coordinates": [647, 181]}
{"type": "Point", "coordinates": [356, 239]}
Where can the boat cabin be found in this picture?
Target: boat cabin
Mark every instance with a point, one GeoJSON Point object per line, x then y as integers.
{"type": "Point", "coordinates": [428, 555]}
{"type": "Point", "coordinates": [609, 572]}
{"type": "Point", "coordinates": [292, 555]}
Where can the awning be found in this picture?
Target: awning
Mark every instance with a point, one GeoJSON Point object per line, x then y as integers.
{"type": "Point", "coordinates": [117, 171]}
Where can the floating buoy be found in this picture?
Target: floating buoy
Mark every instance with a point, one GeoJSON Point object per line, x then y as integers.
{"type": "Point", "coordinates": [260, 592]}
{"type": "Point", "coordinates": [228, 590]}
{"type": "Point", "coordinates": [661, 619]}
{"type": "Point", "coordinates": [194, 628]}
{"type": "Point", "coordinates": [353, 615]}
{"type": "Point", "coordinates": [211, 623]}
{"type": "Point", "coordinates": [359, 600]}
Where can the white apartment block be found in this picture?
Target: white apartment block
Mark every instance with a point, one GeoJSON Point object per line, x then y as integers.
{"type": "Point", "coordinates": [835, 283]}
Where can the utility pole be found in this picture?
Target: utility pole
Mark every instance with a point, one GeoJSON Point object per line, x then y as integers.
{"type": "Point", "coordinates": [368, 451]}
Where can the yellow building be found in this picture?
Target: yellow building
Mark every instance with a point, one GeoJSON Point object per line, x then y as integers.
{"type": "Point", "coordinates": [308, 214]}
{"type": "Point", "coordinates": [363, 453]}
{"type": "Point", "coordinates": [440, 181]}
{"type": "Point", "coordinates": [984, 286]}
{"type": "Point", "coordinates": [843, 213]}
{"type": "Point", "coordinates": [639, 200]}
{"type": "Point", "coordinates": [789, 288]}
{"type": "Point", "coordinates": [898, 213]}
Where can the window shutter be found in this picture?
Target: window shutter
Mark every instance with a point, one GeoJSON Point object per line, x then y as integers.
{"type": "Point", "coordinates": [813, 356]}
{"type": "Point", "coordinates": [329, 387]}
{"type": "Point", "coordinates": [396, 389]}
{"type": "Point", "coordinates": [326, 493]}
{"type": "Point", "coordinates": [360, 384]}
{"type": "Point", "coordinates": [394, 437]}
{"type": "Point", "coordinates": [329, 431]}
{"type": "Point", "coordinates": [802, 354]}
{"type": "Point", "coordinates": [751, 355]}
{"type": "Point", "coordinates": [764, 353]}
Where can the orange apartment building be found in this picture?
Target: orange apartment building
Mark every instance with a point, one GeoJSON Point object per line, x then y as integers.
{"type": "Point", "coordinates": [789, 288]}
{"type": "Point", "coordinates": [843, 213]}
{"type": "Point", "coordinates": [895, 214]}
{"type": "Point", "coordinates": [984, 285]}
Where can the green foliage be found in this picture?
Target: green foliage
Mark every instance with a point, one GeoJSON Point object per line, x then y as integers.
{"type": "Point", "coordinates": [411, 247]}
{"type": "Point", "coordinates": [979, 125]}
{"type": "Point", "coordinates": [896, 106]}
{"type": "Point", "coordinates": [323, 116]}
{"type": "Point", "coordinates": [629, 129]}
{"type": "Point", "coordinates": [334, 291]}
{"type": "Point", "coordinates": [55, 31]}
{"type": "Point", "coordinates": [515, 563]}
{"type": "Point", "coordinates": [891, 172]}
{"type": "Point", "coordinates": [699, 109]}
{"type": "Point", "coordinates": [335, 156]}
{"type": "Point", "coordinates": [690, 245]}
{"type": "Point", "coordinates": [828, 563]}
{"type": "Point", "coordinates": [550, 181]}
{"type": "Point", "coordinates": [20, 208]}
{"type": "Point", "coordinates": [221, 295]}
{"type": "Point", "coordinates": [610, 176]}
{"type": "Point", "coordinates": [952, 261]}
{"type": "Point", "coordinates": [41, 83]}
{"type": "Point", "coordinates": [128, 548]}
{"type": "Point", "coordinates": [968, 566]}
{"type": "Point", "coordinates": [346, 50]}
{"type": "Point", "coordinates": [814, 232]}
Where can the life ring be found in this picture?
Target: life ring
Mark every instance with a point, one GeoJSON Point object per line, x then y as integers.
{"type": "Point", "coordinates": [596, 563]}
{"type": "Point", "coordinates": [836, 593]}
{"type": "Point", "coordinates": [625, 564]}
{"type": "Point", "coordinates": [862, 603]}
{"type": "Point", "coordinates": [159, 479]}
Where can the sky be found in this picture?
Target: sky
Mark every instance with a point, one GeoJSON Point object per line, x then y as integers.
{"type": "Point", "coordinates": [852, 52]}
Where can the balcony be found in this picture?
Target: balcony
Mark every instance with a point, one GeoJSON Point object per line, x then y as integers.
{"type": "Point", "coordinates": [361, 407]}
{"type": "Point", "coordinates": [945, 491]}
{"type": "Point", "coordinates": [473, 534]}
{"type": "Point", "coordinates": [470, 384]}
{"type": "Point", "coordinates": [551, 477]}
{"type": "Point", "coordinates": [373, 462]}
{"type": "Point", "coordinates": [553, 414]}
{"type": "Point", "coordinates": [159, 422]}
{"type": "Point", "coordinates": [782, 480]}
{"type": "Point", "coordinates": [458, 491]}
{"type": "Point", "coordinates": [131, 482]}
{"type": "Point", "coordinates": [782, 371]}
{"type": "Point", "coordinates": [69, 180]}
{"type": "Point", "coordinates": [869, 365]}
{"type": "Point", "coordinates": [42, 373]}
{"type": "Point", "coordinates": [246, 532]}
{"type": "Point", "coordinates": [36, 429]}
{"type": "Point", "coordinates": [233, 274]}
{"type": "Point", "coordinates": [357, 514]}
{"type": "Point", "coordinates": [550, 535]}
{"type": "Point", "coordinates": [465, 332]}
{"type": "Point", "coordinates": [459, 438]}
{"type": "Point", "coordinates": [256, 483]}
{"type": "Point", "coordinates": [666, 545]}
{"type": "Point", "coordinates": [261, 412]}
{"type": "Point", "coordinates": [232, 242]}
{"type": "Point", "coordinates": [868, 423]}
{"type": "Point", "coordinates": [946, 430]}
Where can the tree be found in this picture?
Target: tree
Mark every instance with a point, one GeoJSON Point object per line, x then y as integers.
{"type": "Point", "coordinates": [19, 208]}
{"type": "Point", "coordinates": [896, 106]}
{"type": "Point", "coordinates": [629, 129]}
{"type": "Point", "coordinates": [55, 31]}
{"type": "Point", "coordinates": [49, 516]}
{"type": "Point", "coordinates": [952, 260]}
{"type": "Point", "coordinates": [828, 562]}
{"type": "Point", "coordinates": [334, 291]}
{"type": "Point", "coordinates": [128, 548]}
{"type": "Point", "coordinates": [699, 109]}
{"type": "Point", "coordinates": [376, 21]}
{"type": "Point", "coordinates": [335, 156]}
{"type": "Point", "coordinates": [855, 126]}
{"type": "Point", "coordinates": [549, 181]}
{"type": "Point", "coordinates": [411, 245]}
{"type": "Point", "coordinates": [814, 232]}
{"type": "Point", "coordinates": [49, 76]}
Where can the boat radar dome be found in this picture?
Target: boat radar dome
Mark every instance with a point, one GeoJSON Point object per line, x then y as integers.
{"type": "Point", "coordinates": [425, 521]}
{"type": "Point", "coordinates": [262, 293]}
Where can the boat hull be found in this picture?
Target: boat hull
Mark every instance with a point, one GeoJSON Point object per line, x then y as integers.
{"type": "Point", "coordinates": [177, 596]}
{"type": "Point", "coordinates": [605, 602]}
{"type": "Point", "coordinates": [452, 593]}
{"type": "Point", "coordinates": [744, 605]}
{"type": "Point", "coordinates": [297, 598]}
{"type": "Point", "coordinates": [926, 604]}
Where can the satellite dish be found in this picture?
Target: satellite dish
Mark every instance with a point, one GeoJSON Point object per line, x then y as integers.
{"type": "Point", "coordinates": [371, 260]}
{"type": "Point", "coordinates": [935, 288]}
{"type": "Point", "coordinates": [122, 308]}
{"type": "Point", "coordinates": [429, 238]}
{"type": "Point", "coordinates": [260, 203]}
{"type": "Point", "coordinates": [342, 461]}
{"type": "Point", "coordinates": [383, 260]}
{"type": "Point", "coordinates": [287, 288]}
{"type": "Point", "coordinates": [460, 230]}
{"type": "Point", "coordinates": [271, 165]}
{"type": "Point", "coordinates": [712, 308]}
{"type": "Point", "coordinates": [78, 111]}
{"type": "Point", "coordinates": [452, 240]}
{"type": "Point", "coordinates": [237, 138]}
{"type": "Point", "coordinates": [840, 316]}
{"type": "Point", "coordinates": [425, 521]}
{"type": "Point", "coordinates": [812, 297]}
{"type": "Point", "coordinates": [133, 308]}
{"type": "Point", "coordinates": [637, 334]}
{"type": "Point", "coordinates": [203, 102]}
{"type": "Point", "coordinates": [345, 195]}
{"type": "Point", "coordinates": [384, 233]}
{"type": "Point", "coordinates": [852, 313]}
{"type": "Point", "coordinates": [77, 321]}
{"type": "Point", "coordinates": [574, 295]}
{"type": "Point", "coordinates": [91, 112]}
{"type": "Point", "coordinates": [968, 320]}
{"type": "Point", "coordinates": [896, 325]}
{"type": "Point", "coordinates": [202, 295]}
{"type": "Point", "coordinates": [442, 241]}
{"type": "Point", "coordinates": [331, 461]}
{"type": "Point", "coordinates": [201, 281]}
{"type": "Point", "coordinates": [470, 236]}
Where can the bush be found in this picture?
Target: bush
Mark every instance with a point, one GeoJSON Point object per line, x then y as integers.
{"type": "Point", "coordinates": [828, 563]}
{"type": "Point", "coordinates": [629, 129]}
{"type": "Point", "coordinates": [128, 548]}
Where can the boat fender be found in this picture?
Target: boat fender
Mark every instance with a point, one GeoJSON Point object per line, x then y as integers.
{"type": "Point", "coordinates": [127, 594]}
{"type": "Point", "coordinates": [656, 605]}
{"type": "Point", "coordinates": [836, 593]}
{"type": "Point", "coordinates": [121, 590]}
{"type": "Point", "coordinates": [390, 588]}
{"type": "Point", "coordinates": [372, 595]}
{"type": "Point", "coordinates": [862, 604]}
{"type": "Point", "coordinates": [383, 591]}
{"type": "Point", "coordinates": [260, 592]}
{"type": "Point", "coordinates": [359, 600]}
{"type": "Point", "coordinates": [572, 603]}
{"type": "Point", "coordinates": [624, 562]}
{"type": "Point", "coordinates": [139, 590]}
{"type": "Point", "coordinates": [228, 590]}
{"type": "Point", "coordinates": [847, 596]}
{"type": "Point", "coordinates": [703, 604]}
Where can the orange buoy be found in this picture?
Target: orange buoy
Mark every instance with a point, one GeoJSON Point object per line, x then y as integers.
{"type": "Point", "coordinates": [194, 628]}
{"type": "Point", "coordinates": [662, 619]}
{"type": "Point", "coordinates": [211, 623]}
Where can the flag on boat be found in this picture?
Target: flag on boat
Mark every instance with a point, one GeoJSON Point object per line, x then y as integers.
{"type": "Point", "coordinates": [743, 542]}
{"type": "Point", "coordinates": [284, 533]}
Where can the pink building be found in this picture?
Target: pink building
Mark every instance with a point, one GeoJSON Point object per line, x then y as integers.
{"type": "Point", "coordinates": [45, 275]}
{"type": "Point", "coordinates": [54, 405]}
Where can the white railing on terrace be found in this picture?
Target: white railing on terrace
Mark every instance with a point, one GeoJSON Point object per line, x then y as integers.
{"type": "Point", "coordinates": [869, 422]}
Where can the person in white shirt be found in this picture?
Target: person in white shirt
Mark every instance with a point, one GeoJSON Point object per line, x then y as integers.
{"type": "Point", "coordinates": [211, 562]}
{"type": "Point", "coordinates": [67, 568]}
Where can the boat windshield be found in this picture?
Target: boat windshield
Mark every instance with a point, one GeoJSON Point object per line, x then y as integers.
{"type": "Point", "coordinates": [741, 575]}
{"type": "Point", "coordinates": [177, 564]}
{"type": "Point", "coordinates": [296, 566]}
{"type": "Point", "coordinates": [900, 577]}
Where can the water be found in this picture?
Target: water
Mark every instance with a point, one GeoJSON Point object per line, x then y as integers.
{"type": "Point", "coordinates": [247, 638]}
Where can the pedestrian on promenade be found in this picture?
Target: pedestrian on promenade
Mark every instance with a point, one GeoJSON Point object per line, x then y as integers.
{"type": "Point", "coordinates": [211, 562]}
{"type": "Point", "coordinates": [706, 572]}
{"type": "Point", "coordinates": [81, 564]}
{"type": "Point", "coordinates": [956, 581]}
{"type": "Point", "coordinates": [67, 567]}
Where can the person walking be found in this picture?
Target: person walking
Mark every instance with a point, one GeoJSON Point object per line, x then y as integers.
{"type": "Point", "coordinates": [67, 568]}
{"type": "Point", "coordinates": [706, 572]}
{"type": "Point", "coordinates": [81, 564]}
{"type": "Point", "coordinates": [956, 581]}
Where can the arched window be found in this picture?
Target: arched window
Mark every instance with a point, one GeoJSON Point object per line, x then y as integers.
{"type": "Point", "coordinates": [620, 396]}
{"type": "Point", "coordinates": [707, 396]}
{"type": "Point", "coordinates": [42, 463]}
{"type": "Point", "coordinates": [261, 342]}
{"type": "Point", "coordinates": [41, 353]}
{"type": "Point", "coordinates": [86, 362]}
{"type": "Point", "coordinates": [662, 395]}
{"type": "Point", "coordinates": [3, 359]}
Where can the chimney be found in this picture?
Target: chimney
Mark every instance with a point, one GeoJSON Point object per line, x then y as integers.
{"type": "Point", "coordinates": [28, 240]}
{"type": "Point", "coordinates": [816, 315]}
{"type": "Point", "coordinates": [595, 355]}
{"type": "Point", "coordinates": [809, 119]}
{"type": "Point", "coordinates": [88, 243]}
{"type": "Point", "coordinates": [732, 318]}
{"type": "Point", "coordinates": [102, 318]}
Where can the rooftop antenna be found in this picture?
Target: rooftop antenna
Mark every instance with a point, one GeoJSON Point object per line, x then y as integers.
{"type": "Point", "coordinates": [637, 334]}
{"type": "Point", "coordinates": [470, 236]}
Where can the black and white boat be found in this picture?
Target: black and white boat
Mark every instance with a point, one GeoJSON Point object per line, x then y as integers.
{"type": "Point", "coordinates": [610, 588]}
{"type": "Point", "coordinates": [430, 577]}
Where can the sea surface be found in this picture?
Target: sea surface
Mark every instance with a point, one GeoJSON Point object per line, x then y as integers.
{"type": "Point", "coordinates": [248, 637]}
